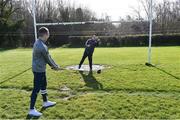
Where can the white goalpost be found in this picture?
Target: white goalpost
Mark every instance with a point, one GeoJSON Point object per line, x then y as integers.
{"type": "Point", "coordinates": [95, 22]}
{"type": "Point", "coordinates": [34, 17]}
{"type": "Point", "coordinates": [150, 31]}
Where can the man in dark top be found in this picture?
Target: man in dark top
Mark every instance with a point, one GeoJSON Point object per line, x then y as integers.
{"type": "Point", "coordinates": [89, 50]}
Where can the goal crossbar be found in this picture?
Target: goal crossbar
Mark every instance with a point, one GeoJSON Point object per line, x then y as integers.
{"type": "Point", "coordinates": [93, 22]}
{"type": "Point", "coordinates": [81, 23]}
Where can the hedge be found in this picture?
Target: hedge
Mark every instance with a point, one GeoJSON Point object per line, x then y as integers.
{"type": "Point", "coordinates": [134, 40]}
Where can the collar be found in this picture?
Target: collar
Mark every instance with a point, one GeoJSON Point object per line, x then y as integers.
{"type": "Point", "coordinates": [41, 40]}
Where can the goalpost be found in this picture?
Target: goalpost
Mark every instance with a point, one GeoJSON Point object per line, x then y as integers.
{"type": "Point", "coordinates": [150, 31]}
{"type": "Point", "coordinates": [94, 22]}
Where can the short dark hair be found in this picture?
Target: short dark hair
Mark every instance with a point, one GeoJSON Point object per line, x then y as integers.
{"type": "Point", "coordinates": [42, 31]}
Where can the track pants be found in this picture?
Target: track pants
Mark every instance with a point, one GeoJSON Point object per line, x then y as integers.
{"type": "Point", "coordinates": [89, 55]}
{"type": "Point", "coordinates": [40, 83]}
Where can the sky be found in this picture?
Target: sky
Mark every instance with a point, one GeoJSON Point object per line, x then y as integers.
{"type": "Point", "coordinates": [113, 8]}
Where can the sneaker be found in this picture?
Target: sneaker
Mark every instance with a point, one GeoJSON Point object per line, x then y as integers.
{"type": "Point", "coordinates": [79, 67]}
{"type": "Point", "coordinates": [34, 112]}
{"type": "Point", "coordinates": [48, 104]}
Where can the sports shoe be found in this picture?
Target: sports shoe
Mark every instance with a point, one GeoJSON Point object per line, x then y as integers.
{"type": "Point", "coordinates": [48, 104]}
{"type": "Point", "coordinates": [34, 112]}
{"type": "Point", "coordinates": [79, 67]}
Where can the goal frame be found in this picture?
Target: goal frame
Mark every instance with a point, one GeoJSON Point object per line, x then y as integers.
{"type": "Point", "coordinates": [71, 23]}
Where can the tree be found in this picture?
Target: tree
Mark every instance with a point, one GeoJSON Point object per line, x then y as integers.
{"type": "Point", "coordinates": [79, 14]}
{"type": "Point", "coordinates": [167, 16]}
{"type": "Point", "coordinates": [8, 26]}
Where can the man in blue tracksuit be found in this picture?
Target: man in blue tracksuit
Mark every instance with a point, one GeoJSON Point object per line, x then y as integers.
{"type": "Point", "coordinates": [89, 50]}
{"type": "Point", "coordinates": [40, 58]}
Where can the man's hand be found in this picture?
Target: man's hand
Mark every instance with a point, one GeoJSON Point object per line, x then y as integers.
{"type": "Point", "coordinates": [88, 45]}
{"type": "Point", "coordinates": [98, 42]}
{"type": "Point", "coordinates": [56, 68]}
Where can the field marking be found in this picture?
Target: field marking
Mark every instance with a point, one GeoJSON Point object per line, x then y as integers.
{"type": "Point", "coordinates": [72, 94]}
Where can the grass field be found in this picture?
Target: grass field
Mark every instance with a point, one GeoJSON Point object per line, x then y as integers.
{"type": "Point", "coordinates": [126, 89]}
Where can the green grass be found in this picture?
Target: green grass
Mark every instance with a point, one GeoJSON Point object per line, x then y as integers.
{"type": "Point", "coordinates": [127, 89]}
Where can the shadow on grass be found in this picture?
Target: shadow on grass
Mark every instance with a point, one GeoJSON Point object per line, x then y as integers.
{"type": "Point", "coordinates": [133, 90]}
{"type": "Point", "coordinates": [29, 117]}
{"type": "Point", "coordinates": [91, 81]}
{"type": "Point", "coordinates": [44, 108]}
{"type": "Point", "coordinates": [167, 73]}
{"type": "Point", "coordinates": [164, 71]}
{"type": "Point", "coordinates": [10, 78]}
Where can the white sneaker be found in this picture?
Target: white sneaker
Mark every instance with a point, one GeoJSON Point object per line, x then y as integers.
{"type": "Point", "coordinates": [34, 112]}
{"type": "Point", "coordinates": [48, 104]}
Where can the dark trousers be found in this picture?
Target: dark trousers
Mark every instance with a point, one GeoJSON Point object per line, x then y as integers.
{"type": "Point", "coordinates": [89, 55]}
{"type": "Point", "coordinates": [40, 83]}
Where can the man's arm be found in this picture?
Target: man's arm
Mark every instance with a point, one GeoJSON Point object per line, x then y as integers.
{"type": "Point", "coordinates": [87, 43]}
{"type": "Point", "coordinates": [97, 42]}
{"type": "Point", "coordinates": [48, 59]}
